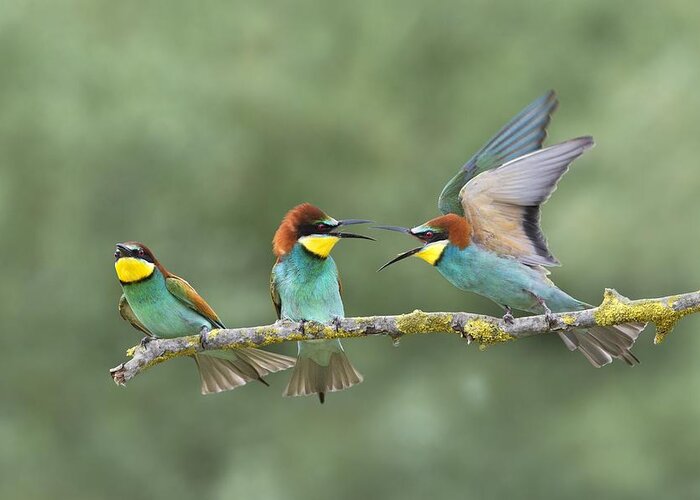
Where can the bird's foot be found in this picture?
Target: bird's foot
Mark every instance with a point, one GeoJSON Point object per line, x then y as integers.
{"type": "Point", "coordinates": [145, 341]}
{"type": "Point", "coordinates": [548, 315]}
{"type": "Point", "coordinates": [302, 326]}
{"type": "Point", "coordinates": [508, 316]}
{"type": "Point", "coordinates": [203, 337]}
{"type": "Point", "coordinates": [336, 324]}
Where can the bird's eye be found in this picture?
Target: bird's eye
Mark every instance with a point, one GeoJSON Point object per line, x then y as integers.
{"type": "Point", "coordinates": [321, 226]}
{"type": "Point", "coordinates": [141, 252]}
{"type": "Point", "coordinates": [428, 235]}
{"type": "Point", "coordinates": [116, 254]}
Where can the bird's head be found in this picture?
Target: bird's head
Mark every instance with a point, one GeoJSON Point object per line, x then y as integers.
{"type": "Point", "coordinates": [314, 230]}
{"type": "Point", "coordinates": [436, 235]}
{"type": "Point", "coordinates": [133, 262]}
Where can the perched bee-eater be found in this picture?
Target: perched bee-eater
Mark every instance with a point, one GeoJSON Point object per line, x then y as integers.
{"type": "Point", "coordinates": [489, 241]}
{"type": "Point", "coordinates": [305, 287]}
{"type": "Point", "coordinates": [163, 305]}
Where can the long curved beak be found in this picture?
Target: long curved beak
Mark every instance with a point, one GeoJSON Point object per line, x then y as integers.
{"type": "Point", "coordinates": [401, 256]}
{"type": "Point", "coordinates": [398, 229]}
{"type": "Point", "coordinates": [350, 222]}
{"type": "Point", "coordinates": [353, 235]}
{"type": "Point", "coordinates": [124, 249]}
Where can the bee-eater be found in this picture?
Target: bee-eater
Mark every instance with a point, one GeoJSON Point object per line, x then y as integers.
{"type": "Point", "coordinates": [489, 241]}
{"type": "Point", "coordinates": [305, 287]}
{"type": "Point", "coordinates": [163, 305]}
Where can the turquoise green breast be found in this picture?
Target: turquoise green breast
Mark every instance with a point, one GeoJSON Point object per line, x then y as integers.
{"type": "Point", "coordinates": [504, 280]}
{"type": "Point", "coordinates": [159, 311]}
{"type": "Point", "coordinates": [308, 287]}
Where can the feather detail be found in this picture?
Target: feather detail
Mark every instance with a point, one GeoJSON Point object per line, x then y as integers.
{"type": "Point", "coordinates": [503, 204]}
{"type": "Point", "coordinates": [523, 134]}
{"type": "Point", "coordinates": [288, 231]}
{"type": "Point", "coordinates": [185, 293]}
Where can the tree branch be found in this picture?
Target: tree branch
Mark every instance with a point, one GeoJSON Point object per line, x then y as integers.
{"type": "Point", "coordinates": [615, 309]}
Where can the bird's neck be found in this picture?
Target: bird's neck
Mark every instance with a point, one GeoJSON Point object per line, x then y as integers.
{"type": "Point", "coordinates": [303, 261]}
{"type": "Point", "coordinates": [154, 281]}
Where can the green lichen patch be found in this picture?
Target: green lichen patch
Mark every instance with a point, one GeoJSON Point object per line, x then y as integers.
{"type": "Point", "coordinates": [420, 322]}
{"type": "Point", "coordinates": [568, 319]}
{"type": "Point", "coordinates": [615, 311]}
{"type": "Point", "coordinates": [170, 355]}
{"type": "Point", "coordinates": [486, 333]}
{"type": "Point", "coordinates": [131, 351]}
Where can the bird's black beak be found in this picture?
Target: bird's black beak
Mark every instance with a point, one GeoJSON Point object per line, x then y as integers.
{"type": "Point", "coordinates": [350, 222]}
{"type": "Point", "coordinates": [401, 256]}
{"type": "Point", "coordinates": [398, 229]}
{"type": "Point", "coordinates": [353, 235]}
{"type": "Point", "coordinates": [122, 251]}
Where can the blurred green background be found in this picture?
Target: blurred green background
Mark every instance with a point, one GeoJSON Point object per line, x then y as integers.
{"type": "Point", "coordinates": [194, 126]}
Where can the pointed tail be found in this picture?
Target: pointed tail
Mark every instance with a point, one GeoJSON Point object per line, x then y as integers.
{"type": "Point", "coordinates": [603, 343]}
{"type": "Point", "coordinates": [322, 366]}
{"type": "Point", "coordinates": [225, 370]}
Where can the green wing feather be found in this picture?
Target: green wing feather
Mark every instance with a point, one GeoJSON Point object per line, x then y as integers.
{"type": "Point", "coordinates": [274, 294]}
{"type": "Point", "coordinates": [127, 313]}
{"type": "Point", "coordinates": [185, 293]}
{"type": "Point", "coordinates": [523, 134]}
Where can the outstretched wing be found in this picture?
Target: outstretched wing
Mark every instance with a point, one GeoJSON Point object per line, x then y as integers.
{"type": "Point", "coordinates": [503, 204]}
{"type": "Point", "coordinates": [184, 292]}
{"type": "Point", "coordinates": [522, 135]}
{"type": "Point", "coordinates": [127, 313]}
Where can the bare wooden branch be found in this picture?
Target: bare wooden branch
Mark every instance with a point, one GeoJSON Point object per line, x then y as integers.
{"type": "Point", "coordinates": [615, 309]}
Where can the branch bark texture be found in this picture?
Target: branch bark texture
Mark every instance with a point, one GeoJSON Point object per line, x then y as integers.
{"type": "Point", "coordinates": [615, 309]}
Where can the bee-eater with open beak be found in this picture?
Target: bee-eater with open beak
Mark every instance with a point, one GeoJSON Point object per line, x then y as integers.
{"type": "Point", "coordinates": [305, 287]}
{"type": "Point", "coordinates": [489, 241]}
{"type": "Point", "coordinates": [163, 305]}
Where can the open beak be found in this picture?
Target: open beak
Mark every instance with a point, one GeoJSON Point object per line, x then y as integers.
{"type": "Point", "coordinates": [350, 222]}
{"type": "Point", "coordinates": [398, 229]}
{"type": "Point", "coordinates": [123, 248]}
{"type": "Point", "coordinates": [401, 256]}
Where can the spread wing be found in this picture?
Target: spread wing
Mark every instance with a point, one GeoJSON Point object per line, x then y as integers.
{"type": "Point", "coordinates": [522, 135]}
{"type": "Point", "coordinates": [127, 313]}
{"type": "Point", "coordinates": [274, 294]}
{"type": "Point", "coordinates": [184, 292]}
{"type": "Point", "coordinates": [503, 204]}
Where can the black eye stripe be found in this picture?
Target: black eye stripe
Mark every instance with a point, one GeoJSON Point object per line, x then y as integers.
{"type": "Point", "coordinates": [431, 236]}
{"type": "Point", "coordinates": [315, 228]}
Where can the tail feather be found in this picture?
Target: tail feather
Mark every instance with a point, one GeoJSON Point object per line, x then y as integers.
{"type": "Point", "coordinates": [321, 368]}
{"type": "Point", "coordinates": [603, 343]}
{"type": "Point", "coordinates": [226, 370]}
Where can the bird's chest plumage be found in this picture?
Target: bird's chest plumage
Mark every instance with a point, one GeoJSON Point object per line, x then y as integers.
{"type": "Point", "coordinates": [501, 279]}
{"type": "Point", "coordinates": [308, 287]}
{"type": "Point", "coordinates": [160, 311]}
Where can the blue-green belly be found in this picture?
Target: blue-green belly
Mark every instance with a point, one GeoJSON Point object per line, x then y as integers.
{"type": "Point", "coordinates": [160, 312]}
{"type": "Point", "coordinates": [504, 280]}
{"type": "Point", "coordinates": [308, 288]}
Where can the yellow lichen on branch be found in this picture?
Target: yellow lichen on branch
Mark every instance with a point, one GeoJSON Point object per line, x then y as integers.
{"type": "Point", "coordinates": [485, 333]}
{"type": "Point", "coordinates": [664, 312]}
{"type": "Point", "coordinates": [616, 310]}
{"type": "Point", "coordinates": [421, 322]}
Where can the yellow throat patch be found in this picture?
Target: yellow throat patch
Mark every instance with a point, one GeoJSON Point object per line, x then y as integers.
{"type": "Point", "coordinates": [432, 251]}
{"type": "Point", "coordinates": [130, 269]}
{"type": "Point", "coordinates": [319, 245]}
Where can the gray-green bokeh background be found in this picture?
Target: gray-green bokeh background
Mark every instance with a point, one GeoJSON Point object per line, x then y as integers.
{"type": "Point", "coordinates": [194, 126]}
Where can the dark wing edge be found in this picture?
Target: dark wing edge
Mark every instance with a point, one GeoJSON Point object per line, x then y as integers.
{"type": "Point", "coordinates": [523, 134]}
{"type": "Point", "coordinates": [275, 296]}
{"type": "Point", "coordinates": [185, 293]}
